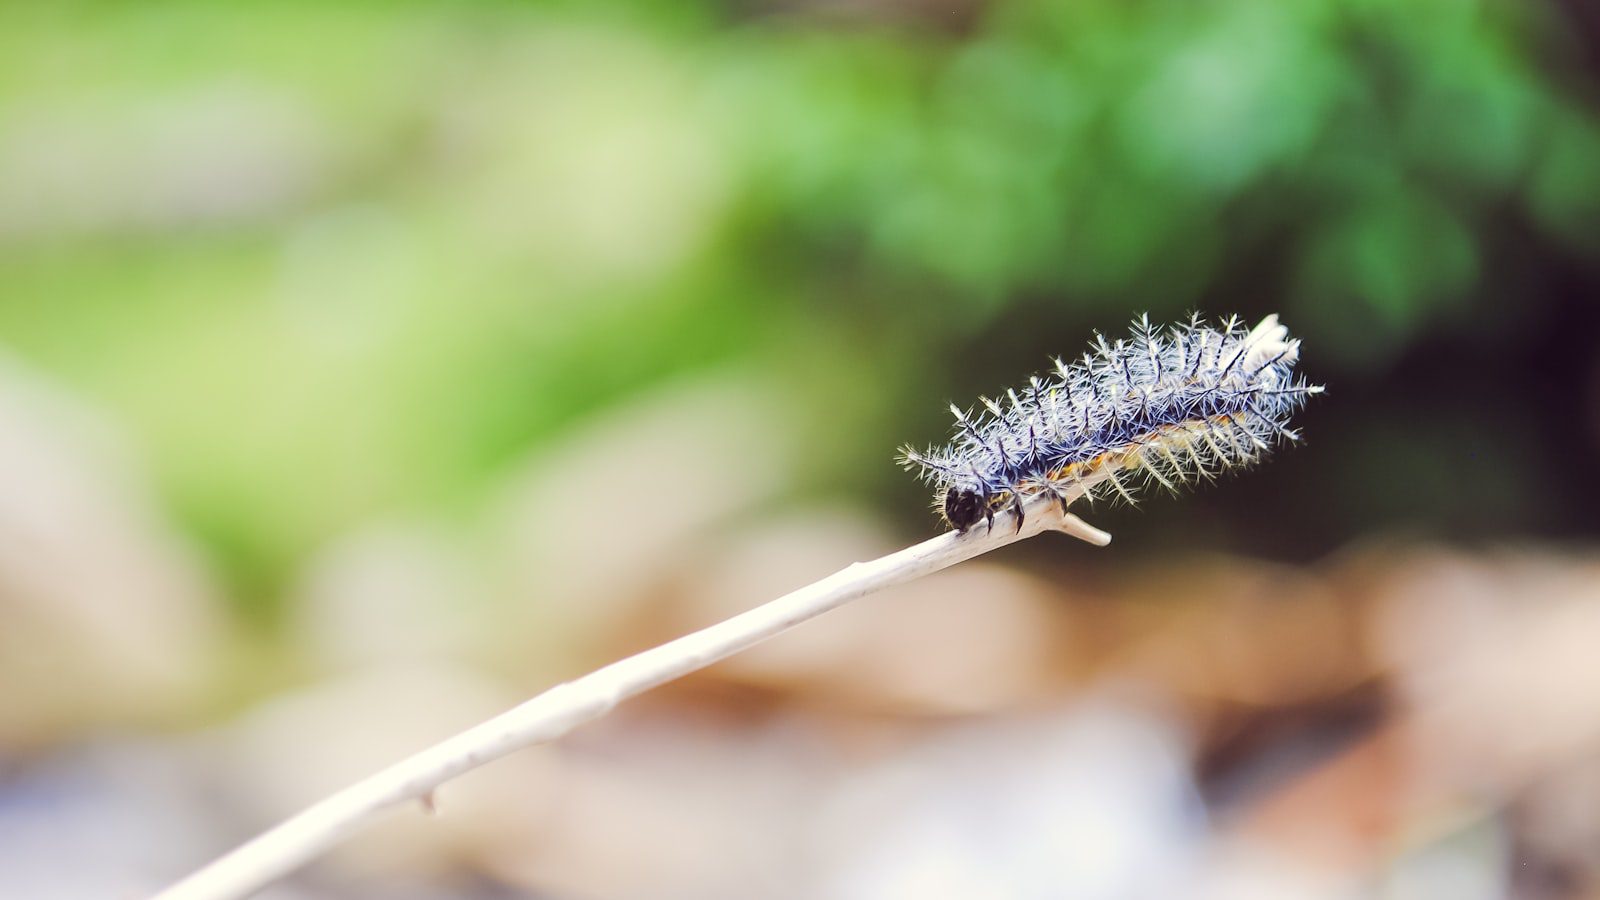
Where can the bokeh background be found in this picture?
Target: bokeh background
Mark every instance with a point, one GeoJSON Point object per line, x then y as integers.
{"type": "Point", "coordinates": [366, 367]}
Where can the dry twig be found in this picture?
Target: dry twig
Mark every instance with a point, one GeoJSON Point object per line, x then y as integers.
{"type": "Point", "coordinates": [553, 713]}
{"type": "Point", "coordinates": [562, 708]}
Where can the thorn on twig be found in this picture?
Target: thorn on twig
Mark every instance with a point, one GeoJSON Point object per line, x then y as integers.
{"type": "Point", "coordinates": [1078, 528]}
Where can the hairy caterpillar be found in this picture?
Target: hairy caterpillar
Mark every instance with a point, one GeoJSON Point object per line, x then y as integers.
{"type": "Point", "coordinates": [1162, 407]}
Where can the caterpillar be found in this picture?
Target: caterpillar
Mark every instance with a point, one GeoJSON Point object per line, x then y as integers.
{"type": "Point", "coordinates": [1160, 407]}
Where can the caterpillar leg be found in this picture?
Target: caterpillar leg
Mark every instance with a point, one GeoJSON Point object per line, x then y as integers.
{"type": "Point", "coordinates": [1060, 498]}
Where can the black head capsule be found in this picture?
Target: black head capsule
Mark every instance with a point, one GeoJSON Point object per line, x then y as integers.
{"type": "Point", "coordinates": [963, 508]}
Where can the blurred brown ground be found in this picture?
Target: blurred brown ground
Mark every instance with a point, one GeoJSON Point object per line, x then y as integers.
{"type": "Point", "coordinates": [1394, 718]}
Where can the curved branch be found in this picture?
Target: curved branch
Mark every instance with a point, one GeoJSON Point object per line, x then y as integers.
{"type": "Point", "coordinates": [558, 710]}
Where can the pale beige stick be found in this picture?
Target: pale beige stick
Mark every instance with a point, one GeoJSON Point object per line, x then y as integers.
{"type": "Point", "coordinates": [562, 708]}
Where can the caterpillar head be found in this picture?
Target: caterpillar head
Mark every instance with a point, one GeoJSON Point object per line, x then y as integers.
{"type": "Point", "coordinates": [964, 507]}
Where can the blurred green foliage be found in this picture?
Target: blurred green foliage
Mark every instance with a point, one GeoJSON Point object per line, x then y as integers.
{"type": "Point", "coordinates": [332, 261]}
